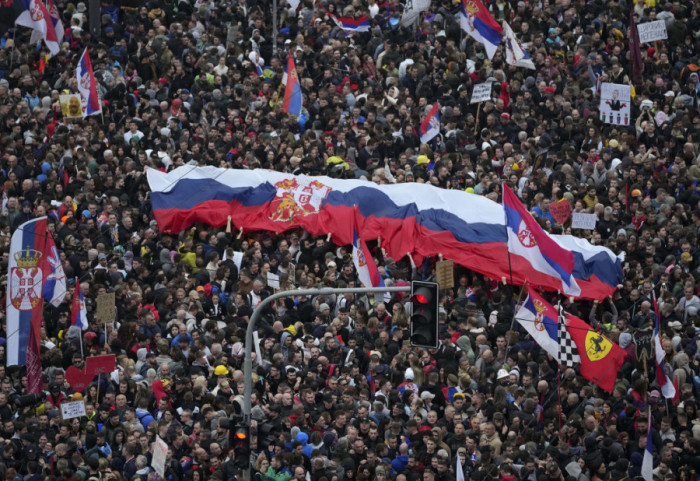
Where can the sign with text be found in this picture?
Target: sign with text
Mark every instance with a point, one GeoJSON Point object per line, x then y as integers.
{"type": "Point", "coordinates": [481, 93]}
{"type": "Point", "coordinates": [615, 100]}
{"type": "Point", "coordinates": [160, 452]}
{"type": "Point", "coordinates": [273, 280]}
{"type": "Point", "coordinates": [73, 409]}
{"type": "Point", "coordinates": [650, 31]}
{"type": "Point", "coordinates": [444, 271]}
{"type": "Point", "coordinates": [561, 210]}
{"type": "Point", "coordinates": [106, 307]}
{"type": "Point", "coordinates": [581, 220]}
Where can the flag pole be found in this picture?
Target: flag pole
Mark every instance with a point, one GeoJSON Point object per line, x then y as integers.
{"type": "Point", "coordinates": [12, 56]}
{"type": "Point", "coordinates": [505, 224]}
{"type": "Point", "coordinates": [559, 360]}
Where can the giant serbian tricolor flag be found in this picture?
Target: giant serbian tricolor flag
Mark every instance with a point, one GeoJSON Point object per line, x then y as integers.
{"type": "Point", "coordinates": [430, 127]}
{"type": "Point", "coordinates": [600, 358]}
{"type": "Point", "coordinates": [476, 20]}
{"type": "Point", "coordinates": [529, 242]}
{"type": "Point", "coordinates": [367, 270]}
{"type": "Point", "coordinates": [37, 17]}
{"type": "Point", "coordinates": [292, 90]}
{"type": "Point", "coordinates": [417, 218]}
{"type": "Point", "coordinates": [87, 86]}
{"type": "Point", "coordinates": [27, 271]}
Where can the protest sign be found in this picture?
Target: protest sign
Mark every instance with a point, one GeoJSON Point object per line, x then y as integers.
{"type": "Point", "coordinates": [581, 220]}
{"type": "Point", "coordinates": [650, 31]}
{"type": "Point", "coordinates": [615, 101]}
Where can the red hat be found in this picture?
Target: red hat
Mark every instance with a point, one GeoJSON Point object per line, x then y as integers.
{"type": "Point", "coordinates": [90, 335]}
{"type": "Point", "coordinates": [505, 115]}
{"type": "Point", "coordinates": [163, 80]}
{"type": "Point", "coordinates": [175, 107]}
{"type": "Point", "coordinates": [549, 89]}
{"type": "Point", "coordinates": [425, 429]}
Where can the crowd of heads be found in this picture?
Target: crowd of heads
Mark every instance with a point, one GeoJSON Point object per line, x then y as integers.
{"type": "Point", "coordinates": [339, 392]}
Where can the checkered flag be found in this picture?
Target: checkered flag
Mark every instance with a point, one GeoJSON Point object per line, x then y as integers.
{"type": "Point", "coordinates": [568, 352]}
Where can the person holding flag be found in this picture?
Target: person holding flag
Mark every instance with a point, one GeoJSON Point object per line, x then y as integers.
{"type": "Point", "coordinates": [87, 86]}
{"type": "Point", "coordinates": [430, 127]}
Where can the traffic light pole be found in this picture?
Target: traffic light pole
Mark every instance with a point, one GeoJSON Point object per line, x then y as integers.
{"type": "Point", "coordinates": [249, 348]}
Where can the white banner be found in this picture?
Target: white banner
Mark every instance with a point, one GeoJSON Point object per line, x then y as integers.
{"type": "Point", "coordinates": [650, 31]}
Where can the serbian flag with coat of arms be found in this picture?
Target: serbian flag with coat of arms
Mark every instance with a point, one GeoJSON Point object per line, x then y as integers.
{"type": "Point", "coordinates": [37, 17]}
{"type": "Point", "coordinates": [476, 20]}
{"type": "Point", "coordinates": [367, 270]}
{"type": "Point", "coordinates": [87, 86]}
{"type": "Point", "coordinates": [29, 268]}
{"type": "Point", "coordinates": [78, 313]}
{"type": "Point", "coordinates": [292, 90]}
{"type": "Point", "coordinates": [528, 242]}
{"type": "Point", "coordinates": [430, 127]}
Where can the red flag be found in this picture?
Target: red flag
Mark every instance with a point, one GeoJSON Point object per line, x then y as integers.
{"type": "Point", "coordinates": [600, 357]}
{"type": "Point", "coordinates": [636, 65]}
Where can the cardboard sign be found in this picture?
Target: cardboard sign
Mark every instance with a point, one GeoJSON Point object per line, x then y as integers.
{"type": "Point", "coordinates": [105, 308]}
{"type": "Point", "coordinates": [445, 273]}
{"type": "Point", "coordinates": [481, 92]}
{"type": "Point", "coordinates": [70, 106]}
{"type": "Point", "coordinates": [273, 280]}
{"type": "Point", "coordinates": [80, 378]}
{"type": "Point", "coordinates": [615, 101]}
{"type": "Point", "coordinates": [411, 11]}
{"type": "Point", "coordinates": [73, 409]}
{"type": "Point", "coordinates": [160, 452]}
{"type": "Point", "coordinates": [583, 221]}
{"type": "Point", "coordinates": [561, 210]}
{"type": "Point", "coordinates": [650, 31]}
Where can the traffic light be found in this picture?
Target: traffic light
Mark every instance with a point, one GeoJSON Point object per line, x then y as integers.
{"type": "Point", "coordinates": [424, 314]}
{"type": "Point", "coordinates": [240, 440]}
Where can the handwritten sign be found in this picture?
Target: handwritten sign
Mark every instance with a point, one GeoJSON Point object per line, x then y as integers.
{"type": "Point", "coordinates": [105, 307]}
{"type": "Point", "coordinates": [583, 221]}
{"type": "Point", "coordinates": [561, 210]}
{"type": "Point", "coordinates": [650, 31]}
{"type": "Point", "coordinates": [445, 273]}
{"type": "Point", "coordinates": [273, 280]}
{"type": "Point", "coordinates": [73, 409]}
{"type": "Point", "coordinates": [160, 452]}
{"type": "Point", "coordinates": [481, 93]}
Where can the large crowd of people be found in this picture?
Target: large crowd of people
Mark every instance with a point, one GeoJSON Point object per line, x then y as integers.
{"type": "Point", "coordinates": [339, 393]}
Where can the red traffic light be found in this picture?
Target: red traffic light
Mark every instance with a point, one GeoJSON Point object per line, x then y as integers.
{"type": "Point", "coordinates": [420, 299]}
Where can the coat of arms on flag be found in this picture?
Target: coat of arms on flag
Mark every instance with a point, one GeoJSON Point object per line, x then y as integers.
{"type": "Point", "coordinates": [26, 280]}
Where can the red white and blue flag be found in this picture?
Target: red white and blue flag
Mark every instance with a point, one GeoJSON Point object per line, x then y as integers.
{"type": "Point", "coordinates": [515, 53]}
{"type": "Point", "coordinates": [78, 312]}
{"type": "Point", "coordinates": [648, 460]}
{"type": "Point", "coordinates": [55, 284]}
{"type": "Point", "coordinates": [55, 20]}
{"type": "Point", "coordinates": [292, 90]}
{"type": "Point", "coordinates": [430, 127]}
{"type": "Point", "coordinates": [36, 16]}
{"type": "Point", "coordinates": [665, 383]}
{"type": "Point", "coordinates": [364, 262]}
{"type": "Point", "coordinates": [476, 20]}
{"type": "Point", "coordinates": [418, 218]}
{"type": "Point", "coordinates": [360, 24]}
{"type": "Point", "coordinates": [28, 269]}
{"type": "Point", "coordinates": [526, 239]}
{"type": "Point", "coordinates": [87, 86]}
